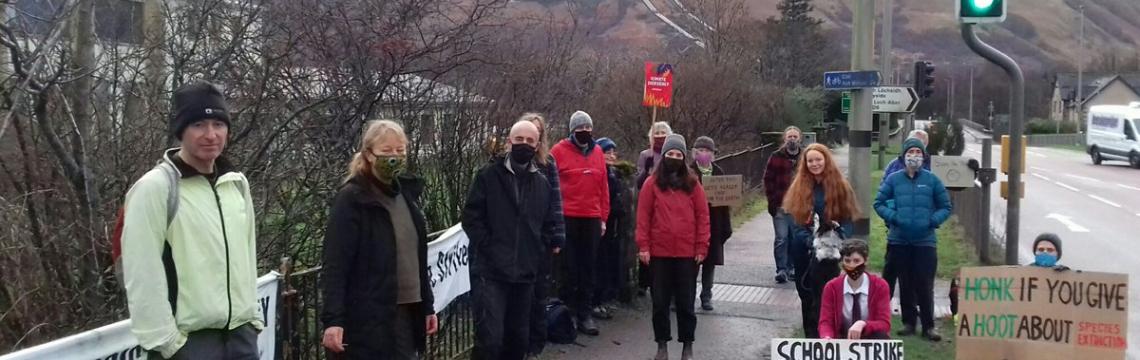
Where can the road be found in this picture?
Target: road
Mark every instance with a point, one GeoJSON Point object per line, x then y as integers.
{"type": "Point", "coordinates": [1094, 209]}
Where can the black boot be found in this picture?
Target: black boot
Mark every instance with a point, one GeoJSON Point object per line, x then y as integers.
{"type": "Point", "coordinates": [662, 351]}
{"type": "Point", "coordinates": [932, 335]}
{"type": "Point", "coordinates": [687, 351]}
{"type": "Point", "coordinates": [908, 330]}
{"type": "Point", "coordinates": [587, 326]}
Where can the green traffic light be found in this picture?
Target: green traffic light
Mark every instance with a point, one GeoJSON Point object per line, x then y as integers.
{"type": "Point", "coordinates": [982, 4]}
{"type": "Point", "coordinates": [981, 8]}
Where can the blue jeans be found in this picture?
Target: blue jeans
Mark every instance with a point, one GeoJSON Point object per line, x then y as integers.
{"type": "Point", "coordinates": [782, 222]}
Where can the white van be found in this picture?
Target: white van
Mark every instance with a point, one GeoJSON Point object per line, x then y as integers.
{"type": "Point", "coordinates": [1112, 133]}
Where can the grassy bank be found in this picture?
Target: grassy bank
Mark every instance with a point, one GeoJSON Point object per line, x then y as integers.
{"type": "Point", "coordinates": [754, 204]}
{"type": "Point", "coordinates": [954, 252]}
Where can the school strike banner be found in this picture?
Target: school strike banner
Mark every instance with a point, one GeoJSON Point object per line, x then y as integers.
{"type": "Point", "coordinates": [658, 90]}
{"type": "Point", "coordinates": [447, 266]}
{"type": "Point", "coordinates": [813, 349]}
{"type": "Point", "coordinates": [1037, 313]}
{"type": "Point", "coordinates": [115, 341]}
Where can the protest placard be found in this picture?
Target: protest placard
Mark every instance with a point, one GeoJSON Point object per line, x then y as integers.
{"type": "Point", "coordinates": [1037, 313]}
{"type": "Point", "coordinates": [816, 349]}
{"type": "Point", "coordinates": [724, 190]}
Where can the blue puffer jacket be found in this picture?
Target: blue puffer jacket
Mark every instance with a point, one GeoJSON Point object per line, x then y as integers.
{"type": "Point", "coordinates": [921, 205]}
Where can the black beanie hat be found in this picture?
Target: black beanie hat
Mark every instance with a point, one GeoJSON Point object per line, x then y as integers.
{"type": "Point", "coordinates": [1050, 237]}
{"type": "Point", "coordinates": [194, 102]}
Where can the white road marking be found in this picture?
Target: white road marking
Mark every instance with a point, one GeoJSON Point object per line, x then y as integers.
{"type": "Point", "coordinates": [1103, 200]}
{"type": "Point", "coordinates": [1037, 154]}
{"type": "Point", "coordinates": [1039, 176]}
{"type": "Point", "coordinates": [1061, 184]}
{"type": "Point", "coordinates": [1085, 178]}
{"type": "Point", "coordinates": [1068, 222]}
{"type": "Point", "coordinates": [1038, 169]}
{"type": "Point", "coordinates": [1128, 187]}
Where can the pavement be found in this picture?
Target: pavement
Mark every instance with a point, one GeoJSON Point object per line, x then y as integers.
{"type": "Point", "coordinates": [1094, 209]}
{"type": "Point", "coordinates": [751, 308]}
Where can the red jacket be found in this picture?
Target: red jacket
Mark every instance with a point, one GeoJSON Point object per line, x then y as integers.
{"type": "Point", "coordinates": [878, 309]}
{"type": "Point", "coordinates": [672, 223]}
{"type": "Point", "coordinates": [585, 187]}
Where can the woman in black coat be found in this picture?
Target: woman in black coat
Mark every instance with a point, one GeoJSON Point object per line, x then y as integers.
{"type": "Point", "coordinates": [720, 218]}
{"type": "Point", "coordinates": [378, 302]}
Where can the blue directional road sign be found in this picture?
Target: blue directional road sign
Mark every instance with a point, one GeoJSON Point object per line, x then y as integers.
{"type": "Point", "coordinates": [847, 80]}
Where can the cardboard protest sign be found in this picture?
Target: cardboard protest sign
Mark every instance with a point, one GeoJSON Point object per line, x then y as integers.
{"type": "Point", "coordinates": [1037, 313]}
{"type": "Point", "coordinates": [724, 190]}
{"type": "Point", "coordinates": [815, 349]}
{"type": "Point", "coordinates": [954, 171]}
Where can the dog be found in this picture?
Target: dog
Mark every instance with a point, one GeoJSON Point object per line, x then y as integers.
{"type": "Point", "coordinates": [827, 241]}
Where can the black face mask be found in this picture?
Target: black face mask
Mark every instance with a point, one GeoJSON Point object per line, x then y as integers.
{"type": "Point", "coordinates": [856, 272]}
{"type": "Point", "coordinates": [584, 138]}
{"type": "Point", "coordinates": [672, 165]}
{"type": "Point", "coordinates": [522, 153]}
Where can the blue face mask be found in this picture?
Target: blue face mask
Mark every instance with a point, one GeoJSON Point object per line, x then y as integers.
{"type": "Point", "coordinates": [1045, 260]}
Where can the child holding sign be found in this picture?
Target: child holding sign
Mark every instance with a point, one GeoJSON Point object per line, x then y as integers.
{"type": "Point", "coordinates": [856, 305]}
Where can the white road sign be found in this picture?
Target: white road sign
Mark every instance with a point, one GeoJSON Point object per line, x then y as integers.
{"type": "Point", "coordinates": [894, 99]}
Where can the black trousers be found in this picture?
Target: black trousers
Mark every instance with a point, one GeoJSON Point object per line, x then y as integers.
{"type": "Point", "coordinates": [916, 266]}
{"type": "Point", "coordinates": [236, 344]}
{"type": "Point", "coordinates": [674, 282]}
{"type": "Point", "coordinates": [708, 270]}
{"type": "Point", "coordinates": [501, 330]}
{"type": "Point", "coordinates": [538, 306]}
{"type": "Point", "coordinates": [608, 266]}
{"type": "Point", "coordinates": [582, 236]}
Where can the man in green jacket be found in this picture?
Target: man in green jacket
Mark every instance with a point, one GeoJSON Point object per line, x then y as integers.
{"type": "Point", "coordinates": [189, 252]}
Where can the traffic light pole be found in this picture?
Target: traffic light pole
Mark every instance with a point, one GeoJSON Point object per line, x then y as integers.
{"type": "Point", "coordinates": [1016, 128]}
{"type": "Point", "coordinates": [859, 165]}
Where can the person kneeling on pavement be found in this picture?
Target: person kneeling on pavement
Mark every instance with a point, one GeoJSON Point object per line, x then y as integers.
{"type": "Point", "coordinates": [510, 218]}
{"type": "Point", "coordinates": [856, 305]}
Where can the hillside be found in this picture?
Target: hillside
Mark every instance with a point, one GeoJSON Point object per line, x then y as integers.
{"type": "Point", "coordinates": [1040, 33]}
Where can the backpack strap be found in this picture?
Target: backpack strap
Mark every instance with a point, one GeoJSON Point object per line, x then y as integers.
{"type": "Point", "coordinates": [172, 202]}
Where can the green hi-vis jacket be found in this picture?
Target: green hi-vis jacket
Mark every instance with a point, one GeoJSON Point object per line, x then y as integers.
{"type": "Point", "coordinates": [208, 255]}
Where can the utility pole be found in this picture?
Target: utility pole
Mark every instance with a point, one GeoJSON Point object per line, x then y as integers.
{"type": "Point", "coordinates": [859, 165]}
{"type": "Point", "coordinates": [1080, 71]}
{"type": "Point", "coordinates": [885, 67]}
{"type": "Point", "coordinates": [971, 117]}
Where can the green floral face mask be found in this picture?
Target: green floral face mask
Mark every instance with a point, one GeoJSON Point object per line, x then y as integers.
{"type": "Point", "coordinates": [387, 168]}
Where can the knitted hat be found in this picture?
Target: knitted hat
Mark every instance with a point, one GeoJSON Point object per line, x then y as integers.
{"type": "Point", "coordinates": [606, 144]}
{"type": "Point", "coordinates": [194, 102]}
{"type": "Point", "coordinates": [580, 119]}
{"type": "Point", "coordinates": [1050, 237]}
{"type": "Point", "coordinates": [675, 142]}
{"type": "Point", "coordinates": [705, 142]}
{"type": "Point", "coordinates": [913, 143]}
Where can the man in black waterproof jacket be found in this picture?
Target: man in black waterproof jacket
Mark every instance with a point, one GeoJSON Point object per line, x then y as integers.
{"type": "Point", "coordinates": [509, 218]}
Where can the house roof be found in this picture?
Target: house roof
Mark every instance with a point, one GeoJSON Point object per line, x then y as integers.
{"type": "Point", "coordinates": [1093, 83]}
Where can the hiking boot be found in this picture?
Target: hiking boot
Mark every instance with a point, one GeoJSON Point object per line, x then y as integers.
{"type": "Point", "coordinates": [706, 305]}
{"type": "Point", "coordinates": [662, 351]}
{"type": "Point", "coordinates": [781, 277]}
{"type": "Point", "coordinates": [932, 335]}
{"type": "Point", "coordinates": [908, 330]}
{"type": "Point", "coordinates": [687, 351]}
{"type": "Point", "coordinates": [587, 326]}
{"type": "Point", "coordinates": [601, 313]}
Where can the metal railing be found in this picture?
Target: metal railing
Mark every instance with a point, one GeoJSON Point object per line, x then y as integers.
{"type": "Point", "coordinates": [750, 163]}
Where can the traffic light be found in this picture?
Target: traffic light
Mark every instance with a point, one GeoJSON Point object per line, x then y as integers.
{"type": "Point", "coordinates": [923, 78]}
{"type": "Point", "coordinates": [981, 11]}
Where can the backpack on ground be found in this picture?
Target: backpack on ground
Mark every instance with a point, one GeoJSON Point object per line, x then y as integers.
{"type": "Point", "coordinates": [560, 323]}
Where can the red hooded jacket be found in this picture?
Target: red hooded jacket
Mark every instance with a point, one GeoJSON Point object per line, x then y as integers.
{"type": "Point", "coordinates": [585, 186]}
{"type": "Point", "coordinates": [671, 223]}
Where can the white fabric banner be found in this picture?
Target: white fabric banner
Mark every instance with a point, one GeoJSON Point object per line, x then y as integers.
{"type": "Point", "coordinates": [115, 341]}
{"type": "Point", "coordinates": [448, 267]}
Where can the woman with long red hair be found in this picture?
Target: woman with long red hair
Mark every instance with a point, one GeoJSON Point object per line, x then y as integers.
{"type": "Point", "coordinates": [818, 191]}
